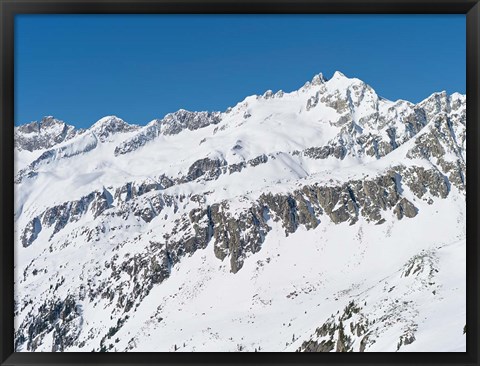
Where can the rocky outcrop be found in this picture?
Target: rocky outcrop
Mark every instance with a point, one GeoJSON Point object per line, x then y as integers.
{"type": "Point", "coordinates": [334, 335]}
{"type": "Point", "coordinates": [358, 326]}
{"type": "Point", "coordinates": [336, 102]}
{"type": "Point", "coordinates": [313, 101]}
{"type": "Point", "coordinates": [62, 318]}
{"type": "Point", "coordinates": [209, 168]}
{"type": "Point", "coordinates": [421, 180]}
{"type": "Point", "coordinates": [109, 126]}
{"type": "Point", "coordinates": [381, 131]}
{"type": "Point", "coordinates": [146, 134]}
{"type": "Point", "coordinates": [261, 159]}
{"type": "Point", "coordinates": [143, 270]}
{"type": "Point", "coordinates": [444, 145]}
{"type": "Point", "coordinates": [174, 123]}
{"type": "Point", "coordinates": [406, 339]}
{"type": "Point", "coordinates": [60, 215]}
{"type": "Point", "coordinates": [87, 143]}
{"type": "Point", "coordinates": [171, 124]}
{"type": "Point", "coordinates": [44, 134]}
{"type": "Point", "coordinates": [237, 167]}
{"type": "Point", "coordinates": [236, 236]}
{"type": "Point", "coordinates": [422, 264]}
{"type": "Point", "coordinates": [131, 190]}
{"type": "Point", "coordinates": [339, 152]}
{"type": "Point", "coordinates": [405, 208]}
{"type": "Point", "coordinates": [32, 229]}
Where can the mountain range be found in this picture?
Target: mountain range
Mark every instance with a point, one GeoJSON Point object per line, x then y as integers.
{"type": "Point", "coordinates": [323, 219]}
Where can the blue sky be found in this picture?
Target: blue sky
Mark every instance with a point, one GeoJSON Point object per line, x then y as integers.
{"type": "Point", "coordinates": [80, 68]}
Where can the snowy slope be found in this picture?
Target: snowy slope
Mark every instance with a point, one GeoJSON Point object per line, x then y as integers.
{"type": "Point", "coordinates": [324, 219]}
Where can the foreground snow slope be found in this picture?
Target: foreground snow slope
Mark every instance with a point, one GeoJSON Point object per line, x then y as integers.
{"type": "Point", "coordinates": [325, 219]}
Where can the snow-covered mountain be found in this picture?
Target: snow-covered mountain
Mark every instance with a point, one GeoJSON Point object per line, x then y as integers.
{"type": "Point", "coordinates": [324, 219]}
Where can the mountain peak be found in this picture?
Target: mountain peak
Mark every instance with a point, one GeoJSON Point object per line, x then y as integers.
{"type": "Point", "coordinates": [110, 125]}
{"type": "Point", "coordinates": [46, 120]}
{"type": "Point", "coordinates": [339, 75]}
{"type": "Point", "coordinates": [109, 120]}
{"type": "Point", "coordinates": [318, 79]}
{"type": "Point", "coordinates": [43, 134]}
{"type": "Point", "coordinates": [37, 126]}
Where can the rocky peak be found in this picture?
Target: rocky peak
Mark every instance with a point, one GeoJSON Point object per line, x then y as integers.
{"type": "Point", "coordinates": [110, 125]}
{"type": "Point", "coordinates": [318, 79]}
{"type": "Point", "coordinates": [171, 124]}
{"type": "Point", "coordinates": [47, 123]}
{"type": "Point", "coordinates": [341, 83]}
{"type": "Point", "coordinates": [436, 103]}
{"type": "Point", "coordinates": [43, 134]}
{"type": "Point", "coordinates": [268, 94]}
{"type": "Point", "coordinates": [174, 123]}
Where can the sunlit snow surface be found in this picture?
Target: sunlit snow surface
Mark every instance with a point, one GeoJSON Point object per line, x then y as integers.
{"type": "Point", "coordinates": [283, 293]}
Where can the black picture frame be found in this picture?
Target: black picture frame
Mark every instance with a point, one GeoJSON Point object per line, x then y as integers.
{"type": "Point", "coordinates": [10, 8]}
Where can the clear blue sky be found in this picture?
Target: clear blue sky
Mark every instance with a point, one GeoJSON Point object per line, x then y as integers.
{"type": "Point", "coordinates": [80, 68]}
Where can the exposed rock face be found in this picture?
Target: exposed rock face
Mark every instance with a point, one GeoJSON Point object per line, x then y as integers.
{"type": "Point", "coordinates": [44, 134]}
{"type": "Point", "coordinates": [262, 159]}
{"type": "Point", "coordinates": [63, 317]}
{"type": "Point", "coordinates": [358, 326]}
{"type": "Point", "coordinates": [102, 131]}
{"type": "Point", "coordinates": [237, 236]}
{"type": "Point", "coordinates": [211, 169]}
{"type": "Point", "coordinates": [313, 101]}
{"type": "Point", "coordinates": [324, 152]}
{"type": "Point", "coordinates": [406, 339]}
{"type": "Point", "coordinates": [59, 216]}
{"type": "Point", "coordinates": [389, 135]}
{"type": "Point", "coordinates": [109, 126]}
{"type": "Point", "coordinates": [132, 190]}
{"type": "Point", "coordinates": [382, 131]}
{"type": "Point", "coordinates": [50, 132]}
{"type": "Point", "coordinates": [31, 232]}
{"type": "Point", "coordinates": [405, 208]}
{"type": "Point", "coordinates": [171, 124]}
{"type": "Point", "coordinates": [420, 180]}
{"type": "Point", "coordinates": [148, 133]}
{"type": "Point", "coordinates": [144, 270]}
{"type": "Point", "coordinates": [174, 123]}
{"type": "Point", "coordinates": [206, 166]}
{"type": "Point", "coordinates": [334, 335]}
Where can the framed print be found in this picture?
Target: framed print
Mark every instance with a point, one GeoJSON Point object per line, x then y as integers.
{"type": "Point", "coordinates": [220, 182]}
